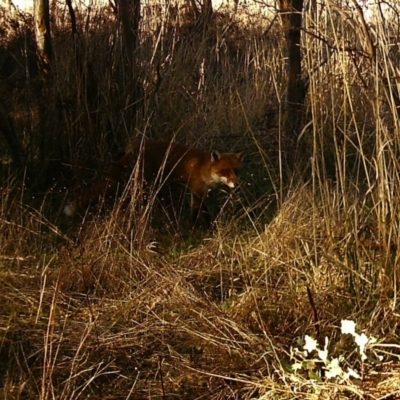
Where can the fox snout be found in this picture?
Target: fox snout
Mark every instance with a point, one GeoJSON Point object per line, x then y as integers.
{"type": "Point", "coordinates": [227, 180]}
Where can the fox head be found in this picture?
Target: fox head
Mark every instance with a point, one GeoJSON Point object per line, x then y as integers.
{"type": "Point", "coordinates": [225, 167]}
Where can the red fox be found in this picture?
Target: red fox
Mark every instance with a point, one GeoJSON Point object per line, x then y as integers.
{"type": "Point", "coordinates": [162, 162]}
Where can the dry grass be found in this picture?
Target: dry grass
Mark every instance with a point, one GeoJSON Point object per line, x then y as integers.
{"type": "Point", "coordinates": [212, 321]}
{"type": "Point", "coordinates": [102, 308]}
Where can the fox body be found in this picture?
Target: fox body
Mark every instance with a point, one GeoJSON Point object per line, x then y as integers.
{"type": "Point", "coordinates": [162, 162]}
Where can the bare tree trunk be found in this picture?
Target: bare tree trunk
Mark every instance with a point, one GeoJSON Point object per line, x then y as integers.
{"type": "Point", "coordinates": [126, 15]}
{"type": "Point", "coordinates": [291, 14]}
{"type": "Point", "coordinates": [207, 11]}
{"type": "Point", "coordinates": [129, 17]}
{"type": "Point", "coordinates": [86, 79]}
{"type": "Point", "coordinates": [43, 37]}
{"type": "Point", "coordinates": [74, 29]}
{"type": "Point", "coordinates": [44, 57]}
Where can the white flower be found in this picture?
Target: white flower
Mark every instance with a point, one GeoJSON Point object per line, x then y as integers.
{"type": "Point", "coordinates": [362, 341]}
{"type": "Point", "coordinates": [334, 369]}
{"type": "Point", "coordinates": [311, 344]}
{"type": "Point", "coordinates": [348, 326]}
{"type": "Point", "coordinates": [323, 354]}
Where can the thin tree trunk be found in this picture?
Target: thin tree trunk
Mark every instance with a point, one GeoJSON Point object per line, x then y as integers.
{"type": "Point", "coordinates": [126, 17]}
{"type": "Point", "coordinates": [291, 14]}
{"type": "Point", "coordinates": [43, 37]}
{"type": "Point", "coordinates": [44, 57]}
{"type": "Point", "coordinates": [207, 11]}
{"type": "Point", "coordinates": [129, 17]}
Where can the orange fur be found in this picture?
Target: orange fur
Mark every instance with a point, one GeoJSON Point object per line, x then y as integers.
{"type": "Point", "coordinates": [162, 162]}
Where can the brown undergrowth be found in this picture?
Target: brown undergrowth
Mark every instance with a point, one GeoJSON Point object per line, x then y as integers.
{"type": "Point", "coordinates": [100, 317]}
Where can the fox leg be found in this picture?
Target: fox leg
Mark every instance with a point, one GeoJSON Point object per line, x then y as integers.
{"type": "Point", "coordinates": [199, 209]}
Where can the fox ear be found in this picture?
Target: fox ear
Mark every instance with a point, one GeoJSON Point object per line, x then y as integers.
{"type": "Point", "coordinates": [239, 155]}
{"type": "Point", "coordinates": [215, 155]}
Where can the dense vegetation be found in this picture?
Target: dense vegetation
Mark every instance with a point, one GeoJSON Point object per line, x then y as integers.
{"type": "Point", "coordinates": [99, 307]}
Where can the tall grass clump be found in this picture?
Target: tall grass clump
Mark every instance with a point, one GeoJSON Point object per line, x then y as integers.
{"type": "Point", "coordinates": [127, 300]}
